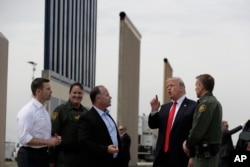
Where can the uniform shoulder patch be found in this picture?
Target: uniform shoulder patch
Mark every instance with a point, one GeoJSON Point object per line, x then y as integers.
{"type": "Point", "coordinates": [54, 116]}
{"type": "Point", "coordinates": [202, 108]}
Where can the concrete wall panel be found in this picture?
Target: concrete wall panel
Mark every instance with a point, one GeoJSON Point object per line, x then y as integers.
{"type": "Point", "coordinates": [128, 81]}
{"type": "Point", "coordinates": [4, 45]}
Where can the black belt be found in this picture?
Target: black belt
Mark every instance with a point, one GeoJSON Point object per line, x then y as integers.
{"type": "Point", "coordinates": [44, 149]}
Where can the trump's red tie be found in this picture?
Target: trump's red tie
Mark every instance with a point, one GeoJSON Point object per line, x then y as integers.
{"type": "Point", "coordinates": [169, 126]}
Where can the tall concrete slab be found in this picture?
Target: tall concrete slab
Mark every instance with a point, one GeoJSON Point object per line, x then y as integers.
{"type": "Point", "coordinates": [4, 45]}
{"type": "Point", "coordinates": [128, 81]}
{"type": "Point", "coordinates": [167, 73]}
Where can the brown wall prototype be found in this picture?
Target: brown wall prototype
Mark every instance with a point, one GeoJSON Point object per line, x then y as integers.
{"type": "Point", "coordinates": [167, 73]}
{"type": "Point", "coordinates": [4, 45]}
{"type": "Point", "coordinates": [128, 81]}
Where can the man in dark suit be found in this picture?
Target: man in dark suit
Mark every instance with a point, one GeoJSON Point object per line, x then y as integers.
{"type": "Point", "coordinates": [243, 142]}
{"type": "Point", "coordinates": [126, 142]}
{"type": "Point", "coordinates": [169, 152]}
{"type": "Point", "coordinates": [227, 143]}
{"type": "Point", "coordinates": [98, 133]}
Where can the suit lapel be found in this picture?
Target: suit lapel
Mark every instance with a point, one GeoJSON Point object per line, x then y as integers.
{"type": "Point", "coordinates": [180, 112]}
{"type": "Point", "coordinates": [166, 110]}
{"type": "Point", "coordinates": [100, 122]}
{"type": "Point", "coordinates": [104, 127]}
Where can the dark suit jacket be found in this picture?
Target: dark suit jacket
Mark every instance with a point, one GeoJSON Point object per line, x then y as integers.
{"type": "Point", "coordinates": [94, 139]}
{"type": "Point", "coordinates": [244, 138]}
{"type": "Point", "coordinates": [175, 157]}
{"type": "Point", "coordinates": [227, 142]}
{"type": "Point", "coordinates": [126, 142]}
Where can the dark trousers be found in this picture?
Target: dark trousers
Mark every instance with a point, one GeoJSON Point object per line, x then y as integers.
{"type": "Point", "coordinates": [125, 163]}
{"type": "Point", "coordinates": [206, 162]}
{"type": "Point", "coordinates": [32, 157]}
{"type": "Point", "coordinates": [69, 159]}
{"type": "Point", "coordinates": [171, 159]}
{"type": "Point", "coordinates": [224, 162]}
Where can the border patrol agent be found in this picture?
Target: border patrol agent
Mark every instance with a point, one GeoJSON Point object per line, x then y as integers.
{"type": "Point", "coordinates": [205, 136]}
{"type": "Point", "coordinates": [65, 123]}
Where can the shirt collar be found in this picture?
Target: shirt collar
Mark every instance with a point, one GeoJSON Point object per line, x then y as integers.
{"type": "Point", "coordinates": [123, 134]}
{"type": "Point", "coordinates": [37, 103]}
{"type": "Point", "coordinates": [180, 100]}
{"type": "Point", "coordinates": [101, 112]}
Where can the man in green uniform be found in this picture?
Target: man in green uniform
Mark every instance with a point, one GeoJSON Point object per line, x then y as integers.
{"type": "Point", "coordinates": [65, 123]}
{"type": "Point", "coordinates": [205, 136]}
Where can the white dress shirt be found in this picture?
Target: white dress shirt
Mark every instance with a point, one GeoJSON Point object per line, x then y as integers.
{"type": "Point", "coordinates": [33, 121]}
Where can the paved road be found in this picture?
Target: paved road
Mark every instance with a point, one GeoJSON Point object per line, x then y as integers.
{"type": "Point", "coordinates": [140, 164]}
{"type": "Point", "coordinates": [10, 164]}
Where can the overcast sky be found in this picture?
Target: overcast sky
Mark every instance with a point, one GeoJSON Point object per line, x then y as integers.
{"type": "Point", "coordinates": [196, 36]}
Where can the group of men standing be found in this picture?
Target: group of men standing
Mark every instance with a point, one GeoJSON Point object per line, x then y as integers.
{"type": "Point", "coordinates": [189, 132]}
{"type": "Point", "coordinates": [73, 135]}
{"type": "Point", "coordinates": [192, 133]}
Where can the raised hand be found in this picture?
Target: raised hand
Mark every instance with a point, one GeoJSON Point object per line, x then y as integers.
{"type": "Point", "coordinates": [155, 104]}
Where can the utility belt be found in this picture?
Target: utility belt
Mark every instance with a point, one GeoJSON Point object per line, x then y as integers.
{"type": "Point", "coordinates": [206, 150]}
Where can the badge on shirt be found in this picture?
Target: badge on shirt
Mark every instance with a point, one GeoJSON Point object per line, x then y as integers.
{"type": "Point", "coordinates": [202, 108]}
{"type": "Point", "coordinates": [54, 116]}
{"type": "Point", "coordinates": [77, 117]}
